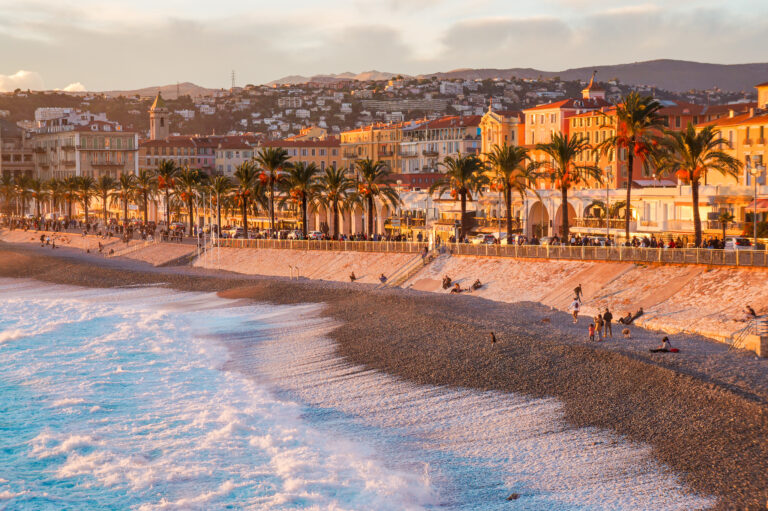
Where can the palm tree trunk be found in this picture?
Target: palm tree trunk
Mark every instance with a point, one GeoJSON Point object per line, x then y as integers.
{"type": "Point", "coordinates": [271, 204]}
{"type": "Point", "coordinates": [85, 208]}
{"type": "Point", "coordinates": [218, 216]}
{"type": "Point", "coordinates": [167, 207]}
{"type": "Point", "coordinates": [191, 215]}
{"type": "Point", "coordinates": [104, 208]}
{"type": "Point", "coordinates": [630, 163]}
{"type": "Point", "coordinates": [125, 211]}
{"type": "Point", "coordinates": [335, 206]}
{"type": "Point", "coordinates": [146, 207]}
{"type": "Point", "coordinates": [508, 204]}
{"type": "Point", "coordinates": [245, 217]}
{"type": "Point", "coordinates": [566, 227]}
{"type": "Point", "coordinates": [696, 216]}
{"type": "Point", "coordinates": [304, 216]}
{"type": "Point", "coordinates": [370, 215]}
{"type": "Point", "coordinates": [463, 230]}
{"type": "Point", "coordinates": [37, 204]}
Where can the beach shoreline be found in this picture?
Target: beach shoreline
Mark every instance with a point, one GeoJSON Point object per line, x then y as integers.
{"type": "Point", "coordinates": [706, 419]}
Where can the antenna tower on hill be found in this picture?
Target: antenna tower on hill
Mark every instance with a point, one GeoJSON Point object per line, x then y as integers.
{"type": "Point", "coordinates": [233, 78]}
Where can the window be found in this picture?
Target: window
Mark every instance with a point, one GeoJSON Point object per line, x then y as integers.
{"type": "Point", "coordinates": [313, 152]}
{"type": "Point", "coordinates": [303, 152]}
{"type": "Point", "coordinates": [553, 118]}
{"type": "Point", "coordinates": [677, 121]}
{"type": "Point", "coordinates": [162, 122]}
{"type": "Point", "coordinates": [334, 153]}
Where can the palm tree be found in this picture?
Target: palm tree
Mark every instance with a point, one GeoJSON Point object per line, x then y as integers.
{"type": "Point", "coordinates": [515, 171]}
{"type": "Point", "coordinates": [691, 155]}
{"type": "Point", "coordinates": [271, 160]}
{"type": "Point", "coordinates": [245, 183]}
{"type": "Point", "coordinates": [373, 182]}
{"type": "Point", "coordinates": [332, 190]}
{"type": "Point", "coordinates": [104, 188]}
{"type": "Point", "coordinates": [464, 177]}
{"type": "Point", "coordinates": [55, 192]}
{"type": "Point", "coordinates": [219, 187]}
{"type": "Point", "coordinates": [188, 183]}
{"type": "Point", "coordinates": [125, 192]}
{"type": "Point", "coordinates": [299, 185]}
{"type": "Point", "coordinates": [86, 189]}
{"type": "Point", "coordinates": [8, 191]}
{"type": "Point", "coordinates": [166, 181]}
{"type": "Point", "coordinates": [725, 217]}
{"type": "Point", "coordinates": [144, 186]}
{"type": "Point", "coordinates": [70, 193]}
{"type": "Point", "coordinates": [22, 192]}
{"type": "Point", "coordinates": [638, 131]}
{"type": "Point", "coordinates": [39, 192]}
{"type": "Point", "coordinates": [563, 170]}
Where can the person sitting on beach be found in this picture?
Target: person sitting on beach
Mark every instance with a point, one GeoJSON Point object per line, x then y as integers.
{"type": "Point", "coordinates": [382, 278]}
{"type": "Point", "coordinates": [352, 277]}
{"type": "Point", "coordinates": [447, 282]}
{"type": "Point", "coordinates": [626, 320]}
{"type": "Point", "coordinates": [456, 289]}
{"type": "Point", "coordinates": [476, 285]}
{"type": "Point", "coordinates": [665, 347]}
{"type": "Point", "coordinates": [749, 313]}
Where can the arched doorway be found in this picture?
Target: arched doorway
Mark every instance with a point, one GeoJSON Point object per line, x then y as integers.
{"type": "Point", "coordinates": [538, 220]}
{"type": "Point", "coordinates": [559, 218]}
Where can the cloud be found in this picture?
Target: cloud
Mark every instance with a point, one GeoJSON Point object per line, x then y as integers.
{"type": "Point", "coordinates": [75, 87]}
{"type": "Point", "coordinates": [21, 80]}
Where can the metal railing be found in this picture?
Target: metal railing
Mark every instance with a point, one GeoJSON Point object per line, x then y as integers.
{"type": "Point", "coordinates": [403, 247]}
{"type": "Point", "coordinates": [713, 257]}
{"type": "Point", "coordinates": [750, 258]}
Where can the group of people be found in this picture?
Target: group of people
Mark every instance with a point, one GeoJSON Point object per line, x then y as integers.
{"type": "Point", "coordinates": [456, 289]}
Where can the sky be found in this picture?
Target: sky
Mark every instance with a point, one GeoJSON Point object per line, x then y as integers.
{"type": "Point", "coordinates": [129, 44]}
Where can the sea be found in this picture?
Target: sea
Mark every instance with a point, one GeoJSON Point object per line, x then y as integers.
{"type": "Point", "coordinates": [151, 399]}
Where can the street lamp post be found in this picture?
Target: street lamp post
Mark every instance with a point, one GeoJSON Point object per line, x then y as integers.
{"type": "Point", "coordinates": [608, 177]}
{"type": "Point", "coordinates": [755, 172]}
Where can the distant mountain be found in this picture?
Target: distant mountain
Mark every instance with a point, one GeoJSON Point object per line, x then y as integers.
{"type": "Point", "coordinates": [672, 75]}
{"type": "Point", "coordinates": [168, 91]}
{"type": "Point", "coordinates": [363, 77]}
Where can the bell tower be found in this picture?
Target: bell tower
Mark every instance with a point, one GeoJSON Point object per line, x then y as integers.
{"type": "Point", "coordinates": [158, 119]}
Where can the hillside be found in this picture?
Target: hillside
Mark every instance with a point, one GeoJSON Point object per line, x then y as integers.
{"type": "Point", "coordinates": [168, 91]}
{"type": "Point", "coordinates": [362, 77]}
{"type": "Point", "coordinates": [672, 75]}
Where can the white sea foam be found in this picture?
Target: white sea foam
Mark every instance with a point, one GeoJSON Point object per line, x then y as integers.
{"type": "Point", "coordinates": [173, 431]}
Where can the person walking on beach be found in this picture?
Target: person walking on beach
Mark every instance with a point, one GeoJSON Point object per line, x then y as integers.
{"type": "Point", "coordinates": [607, 318]}
{"type": "Point", "coordinates": [592, 332]}
{"type": "Point", "coordinates": [493, 338]}
{"type": "Point", "coordinates": [599, 326]}
{"type": "Point", "coordinates": [575, 307]}
{"type": "Point", "coordinates": [352, 277]}
{"type": "Point", "coordinates": [579, 293]}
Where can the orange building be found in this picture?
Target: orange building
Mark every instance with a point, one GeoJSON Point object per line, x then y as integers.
{"type": "Point", "coordinates": [323, 153]}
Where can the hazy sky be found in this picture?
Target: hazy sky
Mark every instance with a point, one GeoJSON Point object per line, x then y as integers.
{"type": "Point", "coordinates": [125, 44]}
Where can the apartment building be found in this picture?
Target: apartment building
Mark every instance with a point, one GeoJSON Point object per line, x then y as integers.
{"type": "Point", "coordinates": [16, 151]}
{"type": "Point", "coordinates": [323, 153]}
{"type": "Point", "coordinates": [425, 144]}
{"type": "Point", "coordinates": [375, 141]}
{"type": "Point", "coordinates": [96, 149]}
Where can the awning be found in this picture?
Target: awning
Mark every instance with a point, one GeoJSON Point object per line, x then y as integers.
{"type": "Point", "coordinates": [653, 183]}
{"type": "Point", "coordinates": [762, 206]}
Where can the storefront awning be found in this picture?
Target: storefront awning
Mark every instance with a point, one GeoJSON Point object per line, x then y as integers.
{"type": "Point", "coordinates": [762, 206]}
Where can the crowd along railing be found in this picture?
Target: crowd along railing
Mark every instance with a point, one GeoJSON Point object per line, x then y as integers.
{"type": "Point", "coordinates": [748, 258]}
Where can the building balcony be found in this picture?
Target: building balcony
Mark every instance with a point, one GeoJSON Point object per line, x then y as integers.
{"type": "Point", "coordinates": [748, 141]}
{"type": "Point", "coordinates": [760, 141]}
{"type": "Point", "coordinates": [69, 163]}
{"type": "Point", "coordinates": [409, 154]}
{"type": "Point", "coordinates": [430, 153]}
{"type": "Point", "coordinates": [600, 223]}
{"type": "Point", "coordinates": [350, 155]}
{"type": "Point", "coordinates": [110, 164]}
{"type": "Point", "coordinates": [68, 147]}
{"type": "Point", "coordinates": [386, 153]}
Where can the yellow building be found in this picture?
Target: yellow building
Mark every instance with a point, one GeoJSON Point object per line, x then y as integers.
{"type": "Point", "coordinates": [501, 127]}
{"type": "Point", "coordinates": [379, 142]}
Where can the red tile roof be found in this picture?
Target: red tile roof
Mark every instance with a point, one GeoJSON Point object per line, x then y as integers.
{"type": "Point", "coordinates": [737, 120]}
{"type": "Point", "coordinates": [572, 104]}
{"type": "Point", "coordinates": [328, 142]}
{"type": "Point", "coordinates": [454, 121]}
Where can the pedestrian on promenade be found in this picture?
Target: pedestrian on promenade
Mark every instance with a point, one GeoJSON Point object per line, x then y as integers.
{"type": "Point", "coordinates": [607, 318]}
{"type": "Point", "coordinates": [575, 307]}
{"type": "Point", "coordinates": [599, 326]}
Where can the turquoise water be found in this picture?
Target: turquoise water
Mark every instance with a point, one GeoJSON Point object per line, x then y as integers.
{"type": "Point", "coordinates": [150, 399]}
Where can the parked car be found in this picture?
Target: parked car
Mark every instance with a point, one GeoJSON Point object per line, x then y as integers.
{"type": "Point", "coordinates": [548, 240]}
{"type": "Point", "coordinates": [738, 244]}
{"type": "Point", "coordinates": [484, 239]}
{"type": "Point", "coordinates": [294, 235]}
{"type": "Point", "coordinates": [515, 239]}
{"type": "Point", "coordinates": [315, 235]}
